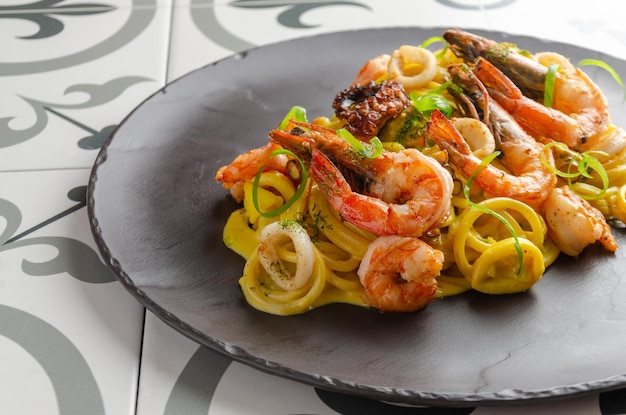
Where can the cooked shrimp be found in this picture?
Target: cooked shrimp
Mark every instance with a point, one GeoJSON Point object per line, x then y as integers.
{"type": "Point", "coordinates": [528, 180]}
{"type": "Point", "coordinates": [579, 111]}
{"type": "Point", "coordinates": [398, 193]}
{"type": "Point", "coordinates": [245, 166]}
{"type": "Point", "coordinates": [373, 70]}
{"type": "Point", "coordinates": [400, 273]}
{"type": "Point", "coordinates": [574, 224]}
{"type": "Point", "coordinates": [590, 129]}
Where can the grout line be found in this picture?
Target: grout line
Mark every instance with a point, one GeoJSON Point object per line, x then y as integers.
{"type": "Point", "coordinates": [42, 169]}
{"type": "Point", "coordinates": [169, 43]}
{"type": "Point", "coordinates": [140, 362]}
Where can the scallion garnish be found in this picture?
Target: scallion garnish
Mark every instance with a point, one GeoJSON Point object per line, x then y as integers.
{"type": "Point", "coordinates": [372, 151]}
{"type": "Point", "coordinates": [295, 113]}
{"type": "Point", "coordinates": [584, 162]}
{"type": "Point", "coordinates": [484, 209]}
{"type": "Point", "coordinates": [548, 93]}
{"type": "Point", "coordinates": [432, 100]}
{"type": "Point", "coordinates": [436, 39]}
{"type": "Point", "coordinates": [299, 191]}
{"type": "Point", "coordinates": [605, 66]}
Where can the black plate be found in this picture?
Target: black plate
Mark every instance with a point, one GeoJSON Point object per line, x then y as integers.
{"type": "Point", "coordinates": [157, 216]}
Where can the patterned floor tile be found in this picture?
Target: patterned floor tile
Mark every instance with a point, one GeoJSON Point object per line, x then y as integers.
{"type": "Point", "coordinates": [63, 93]}
{"type": "Point", "coordinates": [178, 376]}
{"type": "Point", "coordinates": [66, 325]}
{"type": "Point", "coordinates": [203, 32]}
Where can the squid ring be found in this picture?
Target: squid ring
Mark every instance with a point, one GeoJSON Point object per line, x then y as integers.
{"type": "Point", "coordinates": [272, 263]}
{"type": "Point", "coordinates": [406, 55]}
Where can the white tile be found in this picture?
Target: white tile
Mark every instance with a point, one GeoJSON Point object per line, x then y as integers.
{"type": "Point", "coordinates": [596, 28]}
{"type": "Point", "coordinates": [64, 94]}
{"type": "Point", "coordinates": [204, 33]}
{"type": "Point", "coordinates": [165, 354]}
{"type": "Point", "coordinates": [72, 324]}
{"type": "Point", "coordinates": [170, 361]}
{"type": "Point", "coordinates": [32, 391]}
{"type": "Point", "coordinates": [190, 47]}
{"type": "Point", "coordinates": [76, 36]}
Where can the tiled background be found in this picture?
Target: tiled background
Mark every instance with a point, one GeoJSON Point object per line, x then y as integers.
{"type": "Point", "coordinates": [72, 341]}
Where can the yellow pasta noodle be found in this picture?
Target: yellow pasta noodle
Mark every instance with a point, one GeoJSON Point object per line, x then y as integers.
{"type": "Point", "coordinates": [333, 277]}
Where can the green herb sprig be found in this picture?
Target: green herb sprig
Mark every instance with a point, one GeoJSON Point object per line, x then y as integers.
{"type": "Point", "coordinates": [299, 191]}
{"type": "Point", "coordinates": [484, 209]}
{"type": "Point", "coordinates": [583, 164]}
{"type": "Point", "coordinates": [436, 39]}
{"type": "Point", "coordinates": [297, 113]}
{"type": "Point", "coordinates": [601, 64]}
{"type": "Point", "coordinates": [548, 92]}
{"type": "Point", "coordinates": [372, 151]}
{"type": "Point", "coordinates": [433, 100]}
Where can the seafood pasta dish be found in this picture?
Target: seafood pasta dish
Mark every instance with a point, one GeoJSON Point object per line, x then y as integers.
{"type": "Point", "coordinates": [457, 164]}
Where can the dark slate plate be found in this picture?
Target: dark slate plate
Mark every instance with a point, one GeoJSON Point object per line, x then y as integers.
{"type": "Point", "coordinates": [157, 216]}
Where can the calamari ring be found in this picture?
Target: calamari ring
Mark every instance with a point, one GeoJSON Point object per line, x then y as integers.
{"type": "Point", "coordinates": [412, 55]}
{"type": "Point", "coordinates": [271, 261]}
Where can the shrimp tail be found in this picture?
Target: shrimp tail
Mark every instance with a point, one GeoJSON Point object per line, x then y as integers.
{"type": "Point", "coordinates": [496, 82]}
{"type": "Point", "coordinates": [294, 139]}
{"type": "Point", "coordinates": [245, 165]}
{"type": "Point", "coordinates": [327, 175]}
{"type": "Point", "coordinates": [303, 138]}
{"type": "Point", "coordinates": [448, 138]}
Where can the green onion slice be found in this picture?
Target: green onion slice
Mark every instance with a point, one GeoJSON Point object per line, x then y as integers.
{"type": "Point", "coordinates": [299, 191]}
{"type": "Point", "coordinates": [436, 39]}
{"type": "Point", "coordinates": [433, 100]}
{"type": "Point", "coordinates": [607, 67]}
{"type": "Point", "coordinates": [372, 151]}
{"type": "Point", "coordinates": [584, 162]}
{"type": "Point", "coordinates": [466, 189]}
{"type": "Point", "coordinates": [548, 93]}
{"type": "Point", "coordinates": [297, 113]}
